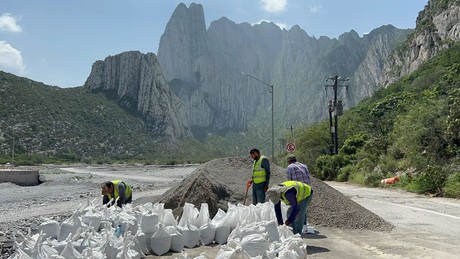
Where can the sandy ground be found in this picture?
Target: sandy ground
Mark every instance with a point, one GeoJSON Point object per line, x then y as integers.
{"type": "Point", "coordinates": [425, 227]}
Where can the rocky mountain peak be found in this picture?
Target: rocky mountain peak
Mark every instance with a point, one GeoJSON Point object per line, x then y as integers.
{"type": "Point", "coordinates": [137, 83]}
{"type": "Point", "coordinates": [437, 27]}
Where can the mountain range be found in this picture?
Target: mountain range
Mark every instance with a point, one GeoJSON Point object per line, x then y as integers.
{"type": "Point", "coordinates": [217, 80]}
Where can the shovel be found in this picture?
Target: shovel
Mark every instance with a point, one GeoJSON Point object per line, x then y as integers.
{"type": "Point", "coordinates": [246, 194]}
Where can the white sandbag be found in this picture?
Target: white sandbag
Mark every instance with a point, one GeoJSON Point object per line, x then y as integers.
{"type": "Point", "coordinates": [221, 226]}
{"type": "Point", "coordinates": [190, 235]}
{"type": "Point", "coordinates": [177, 242]}
{"type": "Point", "coordinates": [70, 252]}
{"type": "Point", "coordinates": [207, 233]}
{"type": "Point", "coordinates": [228, 253]}
{"type": "Point", "coordinates": [168, 218]}
{"type": "Point", "coordinates": [189, 215]}
{"type": "Point", "coordinates": [222, 233]}
{"type": "Point", "coordinates": [147, 238]}
{"type": "Point", "coordinates": [93, 253]}
{"type": "Point", "coordinates": [89, 238]}
{"type": "Point", "coordinates": [255, 245]}
{"type": "Point", "coordinates": [69, 226]}
{"type": "Point", "coordinates": [160, 242]}
{"type": "Point", "coordinates": [42, 250]}
{"type": "Point", "coordinates": [149, 223]}
{"type": "Point", "coordinates": [296, 246]}
{"type": "Point", "coordinates": [141, 239]}
{"type": "Point", "coordinates": [271, 227]}
{"type": "Point", "coordinates": [127, 252]}
{"type": "Point", "coordinates": [50, 229]}
{"type": "Point", "coordinates": [285, 232]}
{"type": "Point", "coordinates": [28, 243]}
{"type": "Point", "coordinates": [59, 246]}
{"type": "Point", "coordinates": [19, 254]}
{"type": "Point", "coordinates": [93, 220]}
{"type": "Point", "coordinates": [203, 216]}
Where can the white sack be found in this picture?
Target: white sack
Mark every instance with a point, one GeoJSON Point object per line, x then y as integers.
{"type": "Point", "coordinates": [207, 233]}
{"type": "Point", "coordinates": [190, 235]}
{"type": "Point", "coordinates": [168, 218]}
{"type": "Point", "coordinates": [50, 229]}
{"type": "Point", "coordinates": [149, 223]}
{"type": "Point", "coordinates": [228, 253]}
{"type": "Point", "coordinates": [70, 252]}
{"type": "Point", "coordinates": [177, 242]}
{"type": "Point", "coordinates": [93, 221]}
{"type": "Point", "coordinates": [160, 242]}
{"type": "Point", "coordinates": [255, 245]}
{"type": "Point", "coordinates": [189, 215]}
{"type": "Point", "coordinates": [203, 216]}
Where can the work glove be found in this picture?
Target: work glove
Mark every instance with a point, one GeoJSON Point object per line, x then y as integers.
{"type": "Point", "coordinates": [265, 188]}
{"type": "Point", "coordinates": [248, 184]}
{"type": "Point", "coordinates": [287, 223]}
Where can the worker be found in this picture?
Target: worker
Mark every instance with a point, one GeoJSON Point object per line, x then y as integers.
{"type": "Point", "coordinates": [118, 191]}
{"type": "Point", "coordinates": [294, 194]}
{"type": "Point", "coordinates": [260, 176]}
{"type": "Point", "coordinates": [297, 171]}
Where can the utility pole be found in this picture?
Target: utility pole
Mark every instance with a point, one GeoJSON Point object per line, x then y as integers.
{"type": "Point", "coordinates": [335, 110]}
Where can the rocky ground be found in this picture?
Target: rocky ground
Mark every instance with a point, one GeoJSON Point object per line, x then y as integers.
{"type": "Point", "coordinates": [216, 183]}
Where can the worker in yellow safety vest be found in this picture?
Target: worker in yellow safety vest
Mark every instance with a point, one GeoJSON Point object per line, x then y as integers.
{"type": "Point", "coordinates": [118, 191]}
{"type": "Point", "coordinates": [260, 176]}
{"type": "Point", "coordinates": [292, 193]}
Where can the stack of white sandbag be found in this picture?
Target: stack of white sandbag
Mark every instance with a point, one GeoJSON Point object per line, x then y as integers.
{"type": "Point", "coordinates": [96, 231]}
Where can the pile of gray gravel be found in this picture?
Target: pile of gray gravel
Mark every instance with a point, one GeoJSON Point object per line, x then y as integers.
{"type": "Point", "coordinates": [221, 181]}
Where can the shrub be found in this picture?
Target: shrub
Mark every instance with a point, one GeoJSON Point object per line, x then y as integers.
{"type": "Point", "coordinates": [357, 178]}
{"type": "Point", "coordinates": [431, 180]}
{"type": "Point", "coordinates": [373, 178]}
{"type": "Point", "coordinates": [452, 187]}
{"type": "Point", "coordinates": [344, 173]}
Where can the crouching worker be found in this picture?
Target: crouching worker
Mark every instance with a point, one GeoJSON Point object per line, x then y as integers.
{"type": "Point", "coordinates": [294, 194]}
{"type": "Point", "coordinates": [116, 189]}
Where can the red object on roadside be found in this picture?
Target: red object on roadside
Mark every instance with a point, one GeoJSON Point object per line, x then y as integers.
{"type": "Point", "coordinates": [391, 180]}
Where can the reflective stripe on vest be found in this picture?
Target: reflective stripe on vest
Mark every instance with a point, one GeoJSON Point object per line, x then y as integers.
{"type": "Point", "coordinates": [303, 190]}
{"type": "Point", "coordinates": [258, 173]}
{"type": "Point", "coordinates": [116, 194]}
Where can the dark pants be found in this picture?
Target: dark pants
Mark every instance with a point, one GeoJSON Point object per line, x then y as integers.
{"type": "Point", "coordinates": [258, 194]}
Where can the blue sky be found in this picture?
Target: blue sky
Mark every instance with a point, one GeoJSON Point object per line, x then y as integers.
{"type": "Point", "coordinates": [57, 41]}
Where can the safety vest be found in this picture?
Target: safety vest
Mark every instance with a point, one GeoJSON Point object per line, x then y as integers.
{"type": "Point", "coordinates": [258, 173]}
{"type": "Point", "coordinates": [303, 190]}
{"type": "Point", "coordinates": [116, 194]}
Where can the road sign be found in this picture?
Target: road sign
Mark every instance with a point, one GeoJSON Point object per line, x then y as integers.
{"type": "Point", "coordinates": [290, 147]}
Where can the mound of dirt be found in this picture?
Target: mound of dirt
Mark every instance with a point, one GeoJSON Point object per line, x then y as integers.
{"type": "Point", "coordinates": [221, 181]}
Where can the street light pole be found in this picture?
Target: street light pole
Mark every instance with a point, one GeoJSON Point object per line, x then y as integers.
{"type": "Point", "coordinates": [273, 115]}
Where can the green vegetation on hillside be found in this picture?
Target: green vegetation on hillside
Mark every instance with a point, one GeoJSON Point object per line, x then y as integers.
{"type": "Point", "coordinates": [410, 129]}
{"type": "Point", "coordinates": [68, 125]}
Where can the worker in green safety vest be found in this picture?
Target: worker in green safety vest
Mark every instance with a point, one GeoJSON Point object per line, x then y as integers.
{"type": "Point", "coordinates": [292, 193]}
{"type": "Point", "coordinates": [118, 191]}
{"type": "Point", "coordinates": [260, 176]}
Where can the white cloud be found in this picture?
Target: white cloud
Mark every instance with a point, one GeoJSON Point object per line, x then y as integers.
{"type": "Point", "coordinates": [316, 9]}
{"type": "Point", "coordinates": [273, 6]}
{"type": "Point", "coordinates": [281, 25]}
{"type": "Point", "coordinates": [9, 23]}
{"type": "Point", "coordinates": [11, 59]}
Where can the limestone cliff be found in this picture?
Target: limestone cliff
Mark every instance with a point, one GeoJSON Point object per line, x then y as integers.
{"type": "Point", "coordinates": [437, 27]}
{"type": "Point", "coordinates": [136, 81]}
{"type": "Point", "coordinates": [204, 69]}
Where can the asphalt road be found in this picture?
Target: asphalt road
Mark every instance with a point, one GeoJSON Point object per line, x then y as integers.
{"type": "Point", "coordinates": [425, 227]}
